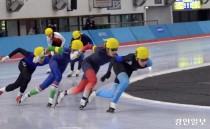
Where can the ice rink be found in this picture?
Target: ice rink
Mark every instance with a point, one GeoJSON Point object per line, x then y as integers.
{"type": "Point", "coordinates": [131, 112]}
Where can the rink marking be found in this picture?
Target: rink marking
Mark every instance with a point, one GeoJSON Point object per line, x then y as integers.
{"type": "Point", "coordinates": [161, 102]}
{"type": "Point", "coordinates": [159, 42]}
{"type": "Point", "coordinates": [168, 71]}
{"type": "Point", "coordinates": [15, 76]}
{"type": "Point", "coordinates": [148, 101]}
{"type": "Point", "coordinates": [69, 128]}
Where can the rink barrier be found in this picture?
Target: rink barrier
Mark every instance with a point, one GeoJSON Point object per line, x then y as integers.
{"type": "Point", "coordinates": [126, 36]}
{"type": "Point", "coordinates": [193, 28]}
{"type": "Point", "coordinates": [205, 26]}
{"type": "Point", "coordinates": [123, 35]}
{"type": "Point", "coordinates": [177, 30]}
{"type": "Point", "coordinates": [142, 33]}
{"type": "Point", "coordinates": [160, 31]}
{"type": "Point", "coordinates": [99, 36]}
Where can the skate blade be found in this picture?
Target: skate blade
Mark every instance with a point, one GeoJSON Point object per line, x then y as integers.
{"type": "Point", "coordinates": [56, 99]}
{"type": "Point", "coordinates": [18, 103]}
{"type": "Point", "coordinates": [69, 75]}
{"type": "Point", "coordinates": [81, 107]}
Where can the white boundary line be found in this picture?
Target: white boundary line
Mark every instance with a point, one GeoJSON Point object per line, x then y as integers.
{"type": "Point", "coordinates": [158, 103]}
{"type": "Point", "coordinates": [172, 40]}
{"type": "Point", "coordinates": [161, 102]}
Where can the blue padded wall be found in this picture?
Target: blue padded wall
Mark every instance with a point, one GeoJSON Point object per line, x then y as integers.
{"type": "Point", "coordinates": [123, 35]}
{"type": "Point", "coordinates": [142, 33]}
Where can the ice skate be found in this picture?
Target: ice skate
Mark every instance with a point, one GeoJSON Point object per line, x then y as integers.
{"type": "Point", "coordinates": [112, 107]}
{"type": "Point", "coordinates": [77, 73]}
{"type": "Point", "coordinates": [56, 98]}
{"type": "Point", "coordinates": [48, 71]}
{"type": "Point", "coordinates": [1, 92]}
{"type": "Point", "coordinates": [23, 98]}
{"type": "Point", "coordinates": [83, 104]}
{"type": "Point", "coordinates": [49, 105]}
{"type": "Point", "coordinates": [61, 96]}
{"type": "Point", "coordinates": [18, 100]}
{"type": "Point", "coordinates": [92, 96]}
{"type": "Point", "coordinates": [111, 110]}
{"type": "Point", "coordinates": [70, 73]}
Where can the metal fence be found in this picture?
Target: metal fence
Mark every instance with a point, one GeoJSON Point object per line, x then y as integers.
{"type": "Point", "coordinates": [115, 25]}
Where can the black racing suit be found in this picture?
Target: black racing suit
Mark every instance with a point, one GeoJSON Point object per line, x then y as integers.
{"type": "Point", "coordinates": [85, 40]}
{"type": "Point", "coordinates": [26, 67]}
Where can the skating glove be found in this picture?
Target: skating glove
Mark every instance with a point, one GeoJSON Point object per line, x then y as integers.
{"type": "Point", "coordinates": [46, 51]}
{"type": "Point", "coordinates": [5, 58]}
{"type": "Point", "coordinates": [75, 55]}
{"type": "Point", "coordinates": [36, 59]}
{"type": "Point", "coordinates": [106, 76]}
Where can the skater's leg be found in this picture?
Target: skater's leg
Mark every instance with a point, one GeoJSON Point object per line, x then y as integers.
{"type": "Point", "coordinates": [79, 88]}
{"type": "Point", "coordinates": [107, 93]}
{"type": "Point", "coordinates": [123, 84]}
{"type": "Point", "coordinates": [79, 67]}
{"type": "Point", "coordinates": [57, 73]}
{"type": "Point", "coordinates": [92, 80]}
{"type": "Point", "coordinates": [48, 81]}
{"type": "Point", "coordinates": [74, 90]}
{"type": "Point", "coordinates": [103, 93]}
{"type": "Point", "coordinates": [23, 78]}
{"type": "Point", "coordinates": [71, 69]}
{"type": "Point", "coordinates": [72, 66]}
{"type": "Point", "coordinates": [53, 90]}
{"type": "Point", "coordinates": [14, 85]}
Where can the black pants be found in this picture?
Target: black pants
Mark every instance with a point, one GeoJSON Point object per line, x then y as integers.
{"type": "Point", "coordinates": [23, 79]}
{"type": "Point", "coordinates": [79, 65]}
{"type": "Point", "coordinates": [56, 44]}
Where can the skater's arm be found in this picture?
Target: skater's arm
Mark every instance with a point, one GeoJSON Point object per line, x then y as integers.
{"type": "Point", "coordinates": [111, 64]}
{"type": "Point", "coordinates": [149, 63]}
{"type": "Point", "coordinates": [75, 54]}
{"type": "Point", "coordinates": [88, 39]}
{"type": "Point", "coordinates": [128, 57]}
{"type": "Point", "coordinates": [108, 73]}
{"type": "Point", "coordinates": [86, 47]}
{"type": "Point", "coordinates": [19, 50]}
{"type": "Point", "coordinates": [56, 49]}
{"type": "Point", "coordinates": [48, 42]}
{"type": "Point", "coordinates": [62, 39]}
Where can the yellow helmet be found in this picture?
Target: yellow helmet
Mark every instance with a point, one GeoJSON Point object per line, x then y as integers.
{"type": "Point", "coordinates": [76, 34]}
{"type": "Point", "coordinates": [76, 44]}
{"type": "Point", "coordinates": [142, 53]}
{"type": "Point", "coordinates": [111, 43]}
{"type": "Point", "coordinates": [48, 31]}
{"type": "Point", "coordinates": [38, 51]}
